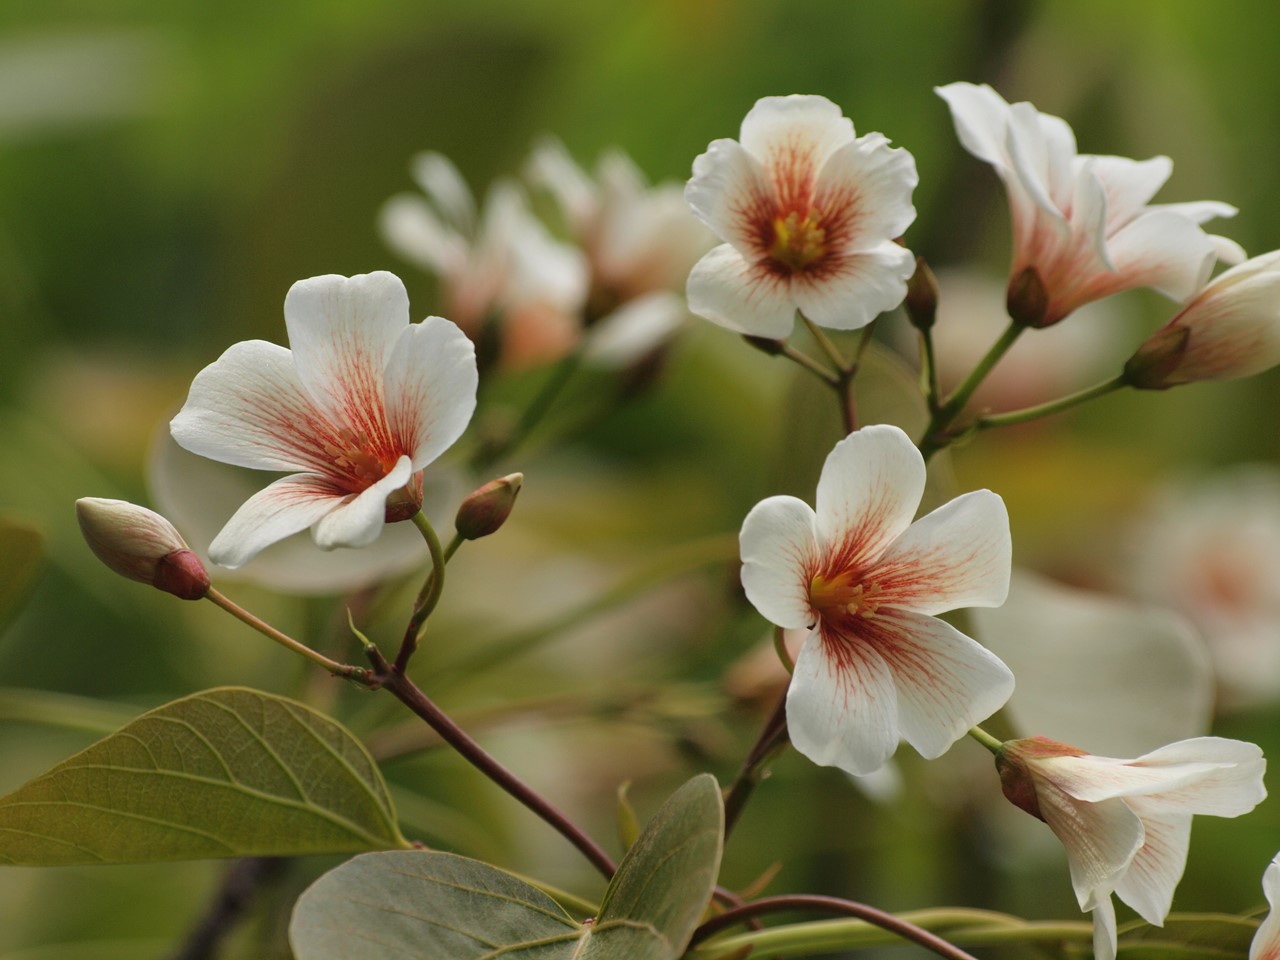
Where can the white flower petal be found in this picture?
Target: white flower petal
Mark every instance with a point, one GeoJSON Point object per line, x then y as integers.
{"type": "Point", "coordinates": [1266, 942]}
{"type": "Point", "coordinates": [283, 508]}
{"type": "Point", "coordinates": [412, 229]}
{"type": "Point", "coordinates": [1227, 250]}
{"type": "Point", "coordinates": [1160, 250]}
{"type": "Point", "coordinates": [249, 409]}
{"type": "Point", "coordinates": [870, 487]}
{"type": "Point", "coordinates": [1104, 930]}
{"type": "Point", "coordinates": [981, 117]}
{"type": "Point", "coordinates": [1130, 185]}
{"type": "Point", "coordinates": [552, 168]}
{"type": "Point", "coordinates": [1033, 160]}
{"type": "Point", "coordinates": [960, 555]}
{"type": "Point", "coordinates": [851, 291]}
{"type": "Point", "coordinates": [431, 384]}
{"type": "Point", "coordinates": [779, 544]}
{"type": "Point", "coordinates": [441, 181]}
{"type": "Point", "coordinates": [794, 134]}
{"type": "Point", "coordinates": [1232, 787]}
{"type": "Point", "coordinates": [1233, 324]}
{"type": "Point", "coordinates": [1155, 870]}
{"type": "Point", "coordinates": [358, 521]}
{"type": "Point", "coordinates": [1198, 211]}
{"type": "Point", "coordinates": [946, 682]}
{"type": "Point", "coordinates": [841, 706]}
{"type": "Point", "coordinates": [743, 297]}
{"type": "Point", "coordinates": [1101, 840]}
{"type": "Point", "coordinates": [864, 194]}
{"type": "Point", "coordinates": [730, 191]}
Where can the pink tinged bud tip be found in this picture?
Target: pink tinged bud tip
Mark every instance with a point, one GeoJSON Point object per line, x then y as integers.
{"type": "Point", "coordinates": [487, 509]}
{"type": "Point", "coordinates": [141, 545]}
{"type": "Point", "coordinates": [1016, 779]}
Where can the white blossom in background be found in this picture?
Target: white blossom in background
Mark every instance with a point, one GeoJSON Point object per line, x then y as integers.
{"type": "Point", "coordinates": [640, 242]}
{"type": "Point", "coordinates": [808, 214]}
{"type": "Point", "coordinates": [1210, 548]}
{"type": "Point", "coordinates": [867, 583]}
{"type": "Point", "coordinates": [501, 273]}
{"type": "Point", "coordinates": [1266, 942]}
{"type": "Point", "coordinates": [358, 406]}
{"type": "Point", "coordinates": [1229, 329]}
{"type": "Point", "coordinates": [1085, 223]}
{"type": "Point", "coordinates": [1126, 824]}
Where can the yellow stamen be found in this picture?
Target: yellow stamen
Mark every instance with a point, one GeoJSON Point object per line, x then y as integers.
{"type": "Point", "coordinates": [798, 241]}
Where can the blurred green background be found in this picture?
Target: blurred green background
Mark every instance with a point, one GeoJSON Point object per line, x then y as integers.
{"type": "Point", "coordinates": [167, 170]}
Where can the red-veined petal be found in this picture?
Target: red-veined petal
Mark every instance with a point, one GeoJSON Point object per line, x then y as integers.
{"type": "Point", "coordinates": [282, 509]}
{"type": "Point", "coordinates": [744, 297]}
{"type": "Point", "coordinates": [431, 384]}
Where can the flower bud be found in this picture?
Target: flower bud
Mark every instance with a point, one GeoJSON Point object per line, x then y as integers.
{"type": "Point", "coordinates": [142, 545]}
{"type": "Point", "coordinates": [487, 509]}
{"type": "Point", "coordinates": [1027, 300]}
{"type": "Point", "coordinates": [1017, 781]}
{"type": "Point", "coordinates": [922, 296]}
{"type": "Point", "coordinates": [767, 345]}
{"type": "Point", "coordinates": [404, 503]}
{"type": "Point", "coordinates": [1230, 329]}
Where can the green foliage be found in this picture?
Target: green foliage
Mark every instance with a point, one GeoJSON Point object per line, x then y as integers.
{"type": "Point", "coordinates": [1207, 936]}
{"type": "Point", "coordinates": [225, 773]}
{"type": "Point", "coordinates": [439, 905]}
{"type": "Point", "coordinates": [21, 552]}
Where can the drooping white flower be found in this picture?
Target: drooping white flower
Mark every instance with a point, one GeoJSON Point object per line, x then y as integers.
{"type": "Point", "coordinates": [1084, 223]}
{"type": "Point", "coordinates": [1266, 942]}
{"type": "Point", "coordinates": [808, 214]}
{"type": "Point", "coordinates": [867, 582]}
{"type": "Point", "coordinates": [1229, 329]}
{"type": "Point", "coordinates": [361, 402]}
{"type": "Point", "coordinates": [1126, 824]}
{"type": "Point", "coordinates": [502, 275]}
{"type": "Point", "coordinates": [640, 242]}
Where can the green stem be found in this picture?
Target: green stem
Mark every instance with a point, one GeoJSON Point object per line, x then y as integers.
{"type": "Point", "coordinates": [429, 595]}
{"type": "Point", "coordinates": [827, 344]}
{"type": "Point", "coordinates": [822, 372]}
{"type": "Point", "coordinates": [986, 739]}
{"type": "Point", "coordinates": [773, 736]}
{"type": "Point", "coordinates": [933, 390]}
{"type": "Point", "coordinates": [344, 670]}
{"type": "Point", "coordinates": [935, 435]}
{"type": "Point", "coordinates": [1053, 406]}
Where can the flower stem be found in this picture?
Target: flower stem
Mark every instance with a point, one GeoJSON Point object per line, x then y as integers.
{"type": "Point", "coordinates": [935, 435]}
{"type": "Point", "coordinates": [408, 693]}
{"type": "Point", "coordinates": [818, 369]}
{"type": "Point", "coordinates": [933, 390]}
{"type": "Point", "coordinates": [828, 346]}
{"type": "Point", "coordinates": [772, 736]}
{"type": "Point", "coordinates": [986, 739]}
{"type": "Point", "coordinates": [429, 595]}
{"type": "Point", "coordinates": [780, 647]}
{"type": "Point", "coordinates": [344, 670]}
{"type": "Point", "coordinates": [1052, 407]}
{"type": "Point", "coordinates": [869, 914]}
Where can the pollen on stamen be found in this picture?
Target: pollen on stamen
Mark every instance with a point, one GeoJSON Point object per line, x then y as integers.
{"type": "Point", "coordinates": [798, 241]}
{"type": "Point", "coordinates": [356, 459]}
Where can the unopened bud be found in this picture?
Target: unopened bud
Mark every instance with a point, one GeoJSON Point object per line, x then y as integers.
{"type": "Point", "coordinates": [1027, 300]}
{"type": "Point", "coordinates": [1017, 781]}
{"type": "Point", "coordinates": [922, 297]}
{"type": "Point", "coordinates": [142, 545]}
{"type": "Point", "coordinates": [765, 344]}
{"type": "Point", "coordinates": [404, 503]}
{"type": "Point", "coordinates": [487, 509]}
{"type": "Point", "coordinates": [1150, 367]}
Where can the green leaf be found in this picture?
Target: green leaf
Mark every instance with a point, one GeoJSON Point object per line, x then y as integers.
{"type": "Point", "coordinates": [1189, 936]}
{"type": "Point", "coordinates": [407, 904]}
{"type": "Point", "coordinates": [225, 773]}
{"type": "Point", "coordinates": [21, 552]}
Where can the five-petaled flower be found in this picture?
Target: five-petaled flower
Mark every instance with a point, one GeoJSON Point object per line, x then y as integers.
{"type": "Point", "coordinates": [808, 214]}
{"type": "Point", "coordinates": [1082, 224]}
{"type": "Point", "coordinates": [878, 664]}
{"type": "Point", "coordinates": [360, 404]}
{"type": "Point", "coordinates": [1126, 824]}
{"type": "Point", "coordinates": [1266, 942]}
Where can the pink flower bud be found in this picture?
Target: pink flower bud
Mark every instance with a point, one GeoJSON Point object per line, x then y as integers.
{"type": "Point", "coordinates": [922, 296]}
{"type": "Point", "coordinates": [1230, 329]}
{"type": "Point", "coordinates": [487, 509]}
{"type": "Point", "coordinates": [142, 545]}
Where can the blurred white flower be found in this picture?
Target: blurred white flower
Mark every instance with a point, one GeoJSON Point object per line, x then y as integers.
{"type": "Point", "coordinates": [1266, 942]}
{"type": "Point", "coordinates": [501, 273]}
{"type": "Point", "coordinates": [1083, 223]}
{"type": "Point", "coordinates": [1210, 548]}
{"type": "Point", "coordinates": [808, 214]}
{"type": "Point", "coordinates": [1229, 329]}
{"type": "Point", "coordinates": [878, 664]}
{"type": "Point", "coordinates": [1126, 824]}
{"type": "Point", "coordinates": [1075, 654]}
{"type": "Point", "coordinates": [360, 404]}
{"type": "Point", "coordinates": [640, 242]}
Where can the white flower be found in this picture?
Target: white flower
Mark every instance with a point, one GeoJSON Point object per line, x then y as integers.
{"type": "Point", "coordinates": [808, 214]}
{"type": "Point", "coordinates": [1266, 942]}
{"type": "Point", "coordinates": [1126, 824]}
{"type": "Point", "coordinates": [1229, 329]}
{"type": "Point", "coordinates": [877, 664]}
{"type": "Point", "coordinates": [501, 273]}
{"type": "Point", "coordinates": [362, 402]}
{"type": "Point", "coordinates": [1083, 223]}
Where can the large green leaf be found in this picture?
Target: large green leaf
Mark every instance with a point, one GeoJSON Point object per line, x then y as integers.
{"type": "Point", "coordinates": [21, 552]}
{"type": "Point", "coordinates": [406, 904]}
{"type": "Point", "coordinates": [225, 773]}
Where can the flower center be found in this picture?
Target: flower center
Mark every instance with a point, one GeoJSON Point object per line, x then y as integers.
{"type": "Point", "coordinates": [353, 455]}
{"type": "Point", "coordinates": [841, 597]}
{"type": "Point", "coordinates": [798, 241]}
